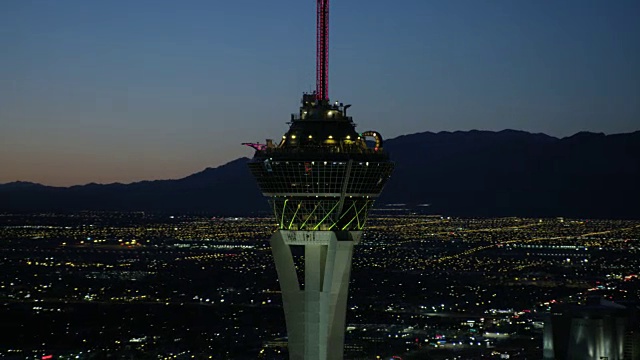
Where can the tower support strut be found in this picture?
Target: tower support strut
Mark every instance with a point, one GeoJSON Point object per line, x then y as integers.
{"type": "Point", "coordinates": [315, 311]}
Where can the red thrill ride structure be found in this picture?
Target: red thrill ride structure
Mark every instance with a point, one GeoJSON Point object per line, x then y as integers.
{"type": "Point", "coordinates": [322, 51]}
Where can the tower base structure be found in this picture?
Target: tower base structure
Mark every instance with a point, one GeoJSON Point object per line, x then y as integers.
{"type": "Point", "coordinates": [315, 311]}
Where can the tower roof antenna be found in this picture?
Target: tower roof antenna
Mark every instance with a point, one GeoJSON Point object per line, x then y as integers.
{"type": "Point", "coordinates": [322, 50]}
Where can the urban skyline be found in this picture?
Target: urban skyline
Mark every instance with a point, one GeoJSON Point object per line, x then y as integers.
{"type": "Point", "coordinates": [177, 286]}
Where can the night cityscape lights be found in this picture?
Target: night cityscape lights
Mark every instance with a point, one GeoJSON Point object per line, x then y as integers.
{"type": "Point", "coordinates": [196, 286]}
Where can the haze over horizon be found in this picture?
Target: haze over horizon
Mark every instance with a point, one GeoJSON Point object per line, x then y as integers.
{"type": "Point", "coordinates": [121, 92]}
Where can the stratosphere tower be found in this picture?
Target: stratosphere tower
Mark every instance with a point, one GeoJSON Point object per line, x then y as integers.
{"type": "Point", "coordinates": [321, 180]}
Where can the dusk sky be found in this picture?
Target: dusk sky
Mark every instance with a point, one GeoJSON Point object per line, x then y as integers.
{"type": "Point", "coordinates": [121, 91]}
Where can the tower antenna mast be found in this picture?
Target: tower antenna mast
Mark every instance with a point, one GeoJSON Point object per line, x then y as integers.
{"type": "Point", "coordinates": [322, 50]}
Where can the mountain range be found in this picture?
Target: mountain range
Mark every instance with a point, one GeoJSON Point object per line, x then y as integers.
{"type": "Point", "coordinates": [462, 173]}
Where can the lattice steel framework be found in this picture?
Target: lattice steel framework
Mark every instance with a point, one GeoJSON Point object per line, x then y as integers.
{"type": "Point", "coordinates": [321, 215]}
{"type": "Point", "coordinates": [321, 195]}
{"type": "Point", "coordinates": [321, 177]}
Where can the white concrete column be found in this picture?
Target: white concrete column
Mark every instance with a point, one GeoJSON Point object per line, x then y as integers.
{"type": "Point", "coordinates": [315, 314]}
{"type": "Point", "coordinates": [292, 296]}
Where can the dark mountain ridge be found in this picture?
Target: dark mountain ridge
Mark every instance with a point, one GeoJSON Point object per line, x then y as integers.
{"type": "Point", "coordinates": [472, 173]}
{"type": "Point", "coordinates": [480, 173]}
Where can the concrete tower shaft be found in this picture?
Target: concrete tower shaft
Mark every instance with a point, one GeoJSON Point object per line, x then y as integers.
{"type": "Point", "coordinates": [315, 311]}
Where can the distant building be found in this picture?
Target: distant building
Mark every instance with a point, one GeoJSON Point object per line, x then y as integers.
{"type": "Point", "coordinates": [632, 345]}
{"type": "Point", "coordinates": [599, 330]}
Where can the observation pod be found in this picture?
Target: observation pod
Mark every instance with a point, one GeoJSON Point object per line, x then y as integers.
{"type": "Point", "coordinates": [322, 176]}
{"type": "Point", "coordinates": [321, 181]}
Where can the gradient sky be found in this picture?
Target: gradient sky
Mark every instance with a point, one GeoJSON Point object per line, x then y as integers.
{"type": "Point", "coordinates": [106, 91]}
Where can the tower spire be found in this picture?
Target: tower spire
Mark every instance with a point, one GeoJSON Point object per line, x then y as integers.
{"type": "Point", "coordinates": [322, 50]}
